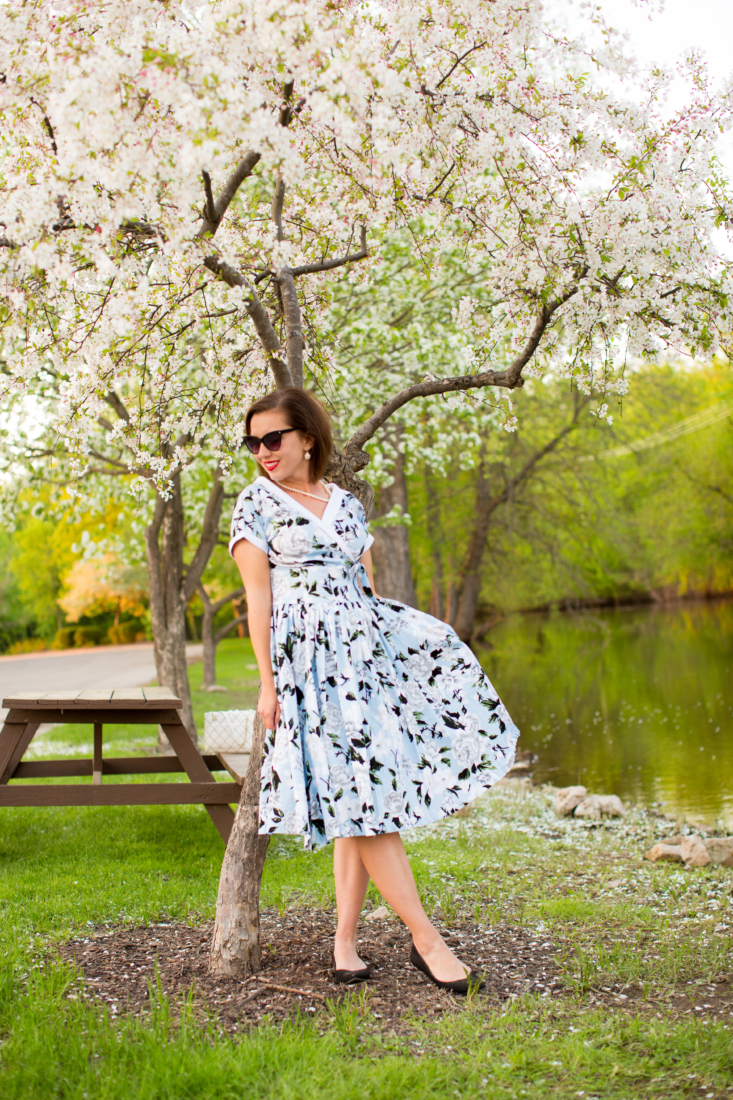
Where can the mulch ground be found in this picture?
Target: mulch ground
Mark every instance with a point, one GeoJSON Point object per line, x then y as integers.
{"type": "Point", "coordinates": [119, 966]}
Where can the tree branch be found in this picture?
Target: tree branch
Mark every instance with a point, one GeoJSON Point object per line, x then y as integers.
{"type": "Point", "coordinates": [293, 324]}
{"type": "Point", "coordinates": [215, 211]}
{"type": "Point", "coordinates": [329, 265]}
{"type": "Point", "coordinates": [210, 208]}
{"type": "Point", "coordinates": [224, 630]}
{"type": "Point", "coordinates": [438, 185]}
{"type": "Point", "coordinates": [228, 598]}
{"type": "Point", "coordinates": [458, 61]}
{"type": "Point", "coordinates": [278, 200]}
{"type": "Point", "coordinates": [508, 379]}
{"type": "Point", "coordinates": [115, 402]}
{"type": "Point", "coordinates": [484, 507]}
{"type": "Point", "coordinates": [47, 124]}
{"type": "Point", "coordinates": [217, 605]}
{"type": "Point", "coordinates": [532, 461]}
{"type": "Point", "coordinates": [209, 537]}
{"type": "Point", "coordinates": [286, 113]}
{"type": "Point", "coordinates": [262, 323]}
{"type": "Point", "coordinates": [423, 389]}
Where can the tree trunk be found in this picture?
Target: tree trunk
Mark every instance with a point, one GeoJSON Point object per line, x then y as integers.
{"type": "Point", "coordinates": [342, 471]}
{"type": "Point", "coordinates": [391, 548]}
{"type": "Point", "coordinates": [470, 582]}
{"type": "Point", "coordinates": [241, 617]}
{"type": "Point", "coordinates": [172, 585]}
{"type": "Point", "coordinates": [164, 542]}
{"type": "Point", "coordinates": [435, 534]}
{"type": "Point", "coordinates": [235, 946]}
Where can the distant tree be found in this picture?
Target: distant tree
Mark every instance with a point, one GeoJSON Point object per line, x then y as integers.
{"type": "Point", "coordinates": [41, 555]}
{"type": "Point", "coordinates": [17, 621]}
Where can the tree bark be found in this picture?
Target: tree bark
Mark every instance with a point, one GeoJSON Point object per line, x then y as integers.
{"type": "Point", "coordinates": [342, 471]}
{"type": "Point", "coordinates": [391, 548]}
{"type": "Point", "coordinates": [172, 585]}
{"type": "Point", "coordinates": [235, 946]}
{"type": "Point", "coordinates": [435, 534]}
{"type": "Point", "coordinates": [164, 542]}
{"type": "Point", "coordinates": [470, 576]}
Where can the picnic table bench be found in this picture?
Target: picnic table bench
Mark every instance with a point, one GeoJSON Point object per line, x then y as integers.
{"type": "Point", "coordinates": [27, 711]}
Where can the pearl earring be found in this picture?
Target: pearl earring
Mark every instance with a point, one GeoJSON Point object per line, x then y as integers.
{"type": "Point", "coordinates": [307, 454]}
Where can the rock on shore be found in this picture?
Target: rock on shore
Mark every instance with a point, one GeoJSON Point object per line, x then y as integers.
{"type": "Point", "coordinates": [568, 798]}
{"type": "Point", "coordinates": [596, 806]}
{"type": "Point", "coordinates": [693, 851]}
{"type": "Point", "coordinates": [577, 801]}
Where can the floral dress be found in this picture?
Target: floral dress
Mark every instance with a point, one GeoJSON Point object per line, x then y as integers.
{"type": "Point", "coordinates": [387, 720]}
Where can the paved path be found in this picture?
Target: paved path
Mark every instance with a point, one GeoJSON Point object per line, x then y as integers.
{"type": "Point", "coordinates": [110, 666]}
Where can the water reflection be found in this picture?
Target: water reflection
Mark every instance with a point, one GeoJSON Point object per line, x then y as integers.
{"type": "Point", "coordinates": [635, 702]}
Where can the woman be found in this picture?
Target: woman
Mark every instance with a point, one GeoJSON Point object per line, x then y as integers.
{"type": "Point", "coordinates": [380, 718]}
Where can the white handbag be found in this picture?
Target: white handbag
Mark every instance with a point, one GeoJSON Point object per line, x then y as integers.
{"type": "Point", "coordinates": [229, 730]}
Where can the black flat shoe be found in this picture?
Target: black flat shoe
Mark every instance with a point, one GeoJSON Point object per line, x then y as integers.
{"type": "Point", "coordinates": [349, 977]}
{"type": "Point", "coordinates": [462, 985]}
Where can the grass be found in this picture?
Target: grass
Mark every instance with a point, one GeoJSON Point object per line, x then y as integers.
{"type": "Point", "coordinates": [523, 1052]}
{"type": "Point", "coordinates": [616, 920]}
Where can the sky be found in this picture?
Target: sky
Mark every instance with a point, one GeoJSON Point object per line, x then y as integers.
{"type": "Point", "coordinates": [706, 25]}
{"type": "Point", "coordinates": [664, 37]}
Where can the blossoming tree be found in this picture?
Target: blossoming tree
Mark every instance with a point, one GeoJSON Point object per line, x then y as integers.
{"type": "Point", "coordinates": [175, 187]}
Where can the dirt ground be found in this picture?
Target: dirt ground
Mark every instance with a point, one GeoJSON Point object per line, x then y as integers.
{"type": "Point", "coordinates": [120, 965]}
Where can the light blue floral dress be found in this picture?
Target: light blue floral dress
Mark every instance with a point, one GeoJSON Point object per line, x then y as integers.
{"type": "Point", "coordinates": [387, 719]}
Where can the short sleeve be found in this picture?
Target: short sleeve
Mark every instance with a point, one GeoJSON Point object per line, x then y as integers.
{"type": "Point", "coordinates": [247, 523]}
{"type": "Point", "coordinates": [362, 517]}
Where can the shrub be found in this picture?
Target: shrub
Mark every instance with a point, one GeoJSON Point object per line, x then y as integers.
{"type": "Point", "coordinates": [28, 645]}
{"type": "Point", "coordinates": [64, 638]}
{"type": "Point", "coordinates": [87, 635]}
{"type": "Point", "coordinates": [126, 633]}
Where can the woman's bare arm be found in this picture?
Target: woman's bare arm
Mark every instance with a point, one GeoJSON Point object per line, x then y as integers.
{"type": "Point", "coordinates": [254, 566]}
{"type": "Point", "coordinates": [366, 559]}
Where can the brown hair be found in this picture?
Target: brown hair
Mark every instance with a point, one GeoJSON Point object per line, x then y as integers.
{"type": "Point", "coordinates": [304, 412]}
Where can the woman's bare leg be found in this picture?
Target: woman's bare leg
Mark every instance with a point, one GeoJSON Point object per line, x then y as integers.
{"type": "Point", "coordinates": [352, 879]}
{"type": "Point", "coordinates": [386, 863]}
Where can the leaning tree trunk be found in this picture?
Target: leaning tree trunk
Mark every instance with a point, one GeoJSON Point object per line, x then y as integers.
{"type": "Point", "coordinates": [164, 542]}
{"type": "Point", "coordinates": [235, 945]}
{"type": "Point", "coordinates": [391, 548]}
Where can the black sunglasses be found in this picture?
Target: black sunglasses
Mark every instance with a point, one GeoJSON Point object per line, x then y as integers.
{"type": "Point", "coordinates": [271, 440]}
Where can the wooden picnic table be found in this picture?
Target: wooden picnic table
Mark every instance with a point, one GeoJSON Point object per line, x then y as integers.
{"type": "Point", "coordinates": [131, 706]}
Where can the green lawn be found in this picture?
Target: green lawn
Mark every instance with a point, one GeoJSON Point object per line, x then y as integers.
{"type": "Point", "coordinates": [614, 919]}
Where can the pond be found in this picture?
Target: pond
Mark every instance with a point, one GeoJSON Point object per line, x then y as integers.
{"type": "Point", "coordinates": [634, 701]}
